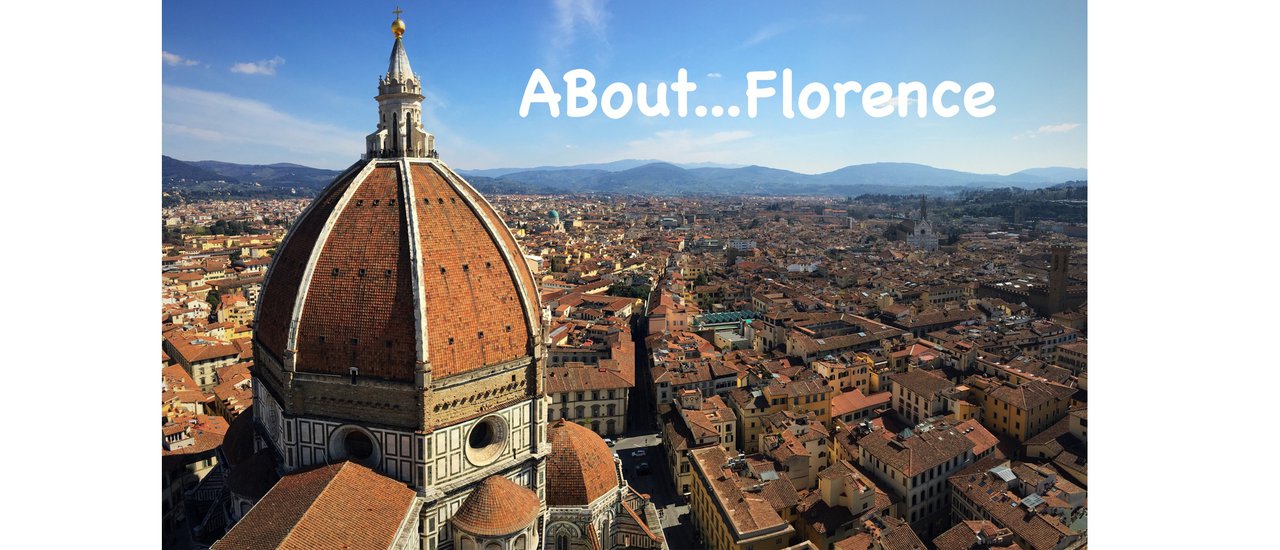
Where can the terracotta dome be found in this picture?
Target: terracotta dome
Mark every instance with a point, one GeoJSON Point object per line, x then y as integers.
{"type": "Point", "coordinates": [580, 467]}
{"type": "Point", "coordinates": [496, 508]}
{"type": "Point", "coordinates": [398, 261]}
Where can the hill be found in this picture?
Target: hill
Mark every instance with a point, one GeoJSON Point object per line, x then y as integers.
{"type": "Point", "coordinates": [210, 179]}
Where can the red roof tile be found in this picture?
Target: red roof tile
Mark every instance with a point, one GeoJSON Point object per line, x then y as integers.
{"type": "Point", "coordinates": [580, 467]}
{"type": "Point", "coordinates": [342, 505]}
{"type": "Point", "coordinates": [497, 507]}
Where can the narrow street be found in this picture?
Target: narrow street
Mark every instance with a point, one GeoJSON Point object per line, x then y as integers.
{"type": "Point", "coordinates": [643, 435]}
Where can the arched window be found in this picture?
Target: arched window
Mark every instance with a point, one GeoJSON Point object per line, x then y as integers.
{"type": "Point", "coordinates": [595, 410]}
{"type": "Point", "coordinates": [580, 411]}
{"type": "Point", "coordinates": [613, 410]}
{"type": "Point", "coordinates": [595, 426]}
{"type": "Point", "coordinates": [612, 424]}
{"type": "Point", "coordinates": [562, 542]}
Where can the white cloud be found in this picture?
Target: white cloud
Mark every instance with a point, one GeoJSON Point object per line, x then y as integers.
{"type": "Point", "coordinates": [685, 146]}
{"type": "Point", "coordinates": [1048, 129]}
{"type": "Point", "coordinates": [1057, 128]}
{"type": "Point", "coordinates": [175, 60]}
{"type": "Point", "coordinates": [714, 75]}
{"type": "Point", "coordinates": [202, 124]}
{"type": "Point", "coordinates": [264, 67]}
{"type": "Point", "coordinates": [572, 17]}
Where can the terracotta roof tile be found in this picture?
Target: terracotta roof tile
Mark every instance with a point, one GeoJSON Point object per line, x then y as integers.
{"type": "Point", "coordinates": [580, 467]}
{"type": "Point", "coordinates": [342, 505]}
{"type": "Point", "coordinates": [497, 507]}
{"type": "Point", "coordinates": [287, 267]}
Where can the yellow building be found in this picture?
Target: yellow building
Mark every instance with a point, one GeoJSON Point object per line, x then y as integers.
{"type": "Point", "coordinates": [1022, 410]}
{"type": "Point", "coordinates": [693, 423]}
{"type": "Point", "coordinates": [845, 500]}
{"type": "Point", "coordinates": [752, 403]}
{"type": "Point", "coordinates": [732, 510]}
{"type": "Point", "coordinates": [809, 395]}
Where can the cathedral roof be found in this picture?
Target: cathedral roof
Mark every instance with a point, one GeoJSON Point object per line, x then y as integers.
{"type": "Point", "coordinates": [398, 261]}
{"type": "Point", "coordinates": [342, 505]}
{"type": "Point", "coordinates": [399, 266]}
{"type": "Point", "coordinates": [580, 467]}
{"type": "Point", "coordinates": [497, 507]}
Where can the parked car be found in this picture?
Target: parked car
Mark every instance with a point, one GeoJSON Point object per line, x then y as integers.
{"type": "Point", "coordinates": [637, 452]}
{"type": "Point", "coordinates": [609, 442]}
{"type": "Point", "coordinates": [642, 468]}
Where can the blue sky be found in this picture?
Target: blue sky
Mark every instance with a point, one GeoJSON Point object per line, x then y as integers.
{"type": "Point", "coordinates": [263, 82]}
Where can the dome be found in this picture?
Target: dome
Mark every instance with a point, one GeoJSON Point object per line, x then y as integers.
{"type": "Point", "coordinates": [554, 215]}
{"type": "Point", "coordinates": [497, 507]}
{"type": "Point", "coordinates": [398, 261]}
{"type": "Point", "coordinates": [580, 467]}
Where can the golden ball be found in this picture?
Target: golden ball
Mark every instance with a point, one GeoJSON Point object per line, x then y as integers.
{"type": "Point", "coordinates": [397, 27]}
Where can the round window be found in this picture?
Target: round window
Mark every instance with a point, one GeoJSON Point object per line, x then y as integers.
{"type": "Point", "coordinates": [358, 445]}
{"type": "Point", "coordinates": [487, 440]}
{"type": "Point", "coordinates": [354, 443]}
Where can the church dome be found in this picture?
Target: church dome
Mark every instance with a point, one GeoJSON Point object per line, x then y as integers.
{"type": "Point", "coordinates": [398, 261]}
{"type": "Point", "coordinates": [399, 268]}
{"type": "Point", "coordinates": [497, 507]}
{"type": "Point", "coordinates": [580, 467]}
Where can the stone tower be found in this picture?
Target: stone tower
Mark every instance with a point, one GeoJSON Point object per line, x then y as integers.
{"type": "Point", "coordinates": [1059, 266]}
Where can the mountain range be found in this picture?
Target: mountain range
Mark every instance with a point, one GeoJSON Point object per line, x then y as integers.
{"type": "Point", "coordinates": [634, 176]}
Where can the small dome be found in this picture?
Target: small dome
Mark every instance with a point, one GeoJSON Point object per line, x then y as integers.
{"type": "Point", "coordinates": [580, 467]}
{"type": "Point", "coordinates": [497, 507]}
{"type": "Point", "coordinates": [554, 215]}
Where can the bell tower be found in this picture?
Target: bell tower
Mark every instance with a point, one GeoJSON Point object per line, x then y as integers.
{"type": "Point", "coordinates": [400, 132]}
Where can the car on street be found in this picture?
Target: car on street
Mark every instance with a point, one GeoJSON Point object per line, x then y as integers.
{"type": "Point", "coordinates": [642, 468]}
{"type": "Point", "coordinates": [609, 442]}
{"type": "Point", "coordinates": [637, 452]}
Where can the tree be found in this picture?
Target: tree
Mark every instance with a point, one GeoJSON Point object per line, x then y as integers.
{"type": "Point", "coordinates": [215, 301]}
{"type": "Point", "coordinates": [628, 291]}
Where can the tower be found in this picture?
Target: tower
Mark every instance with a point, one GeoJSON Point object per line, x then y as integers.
{"type": "Point", "coordinates": [1059, 266]}
{"type": "Point", "coordinates": [399, 131]}
{"type": "Point", "coordinates": [399, 327]}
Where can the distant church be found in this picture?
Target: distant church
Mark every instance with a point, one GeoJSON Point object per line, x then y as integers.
{"type": "Point", "coordinates": [917, 232]}
{"type": "Point", "coordinates": [399, 351]}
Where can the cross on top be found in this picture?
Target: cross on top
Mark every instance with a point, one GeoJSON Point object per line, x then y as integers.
{"type": "Point", "coordinates": [397, 11]}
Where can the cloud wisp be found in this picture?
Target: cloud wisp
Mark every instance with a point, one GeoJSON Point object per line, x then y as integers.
{"type": "Point", "coordinates": [1048, 129]}
{"type": "Point", "coordinates": [175, 60]}
{"type": "Point", "coordinates": [572, 20]}
{"type": "Point", "coordinates": [266, 67]}
{"type": "Point", "coordinates": [768, 31]}
{"type": "Point", "coordinates": [217, 125]}
{"type": "Point", "coordinates": [685, 146]}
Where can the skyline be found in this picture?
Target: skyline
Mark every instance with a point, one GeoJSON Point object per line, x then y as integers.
{"type": "Point", "coordinates": [266, 84]}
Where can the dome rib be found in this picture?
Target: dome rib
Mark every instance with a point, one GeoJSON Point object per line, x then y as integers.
{"type": "Point", "coordinates": [400, 265]}
{"type": "Point", "coordinates": [293, 255]}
